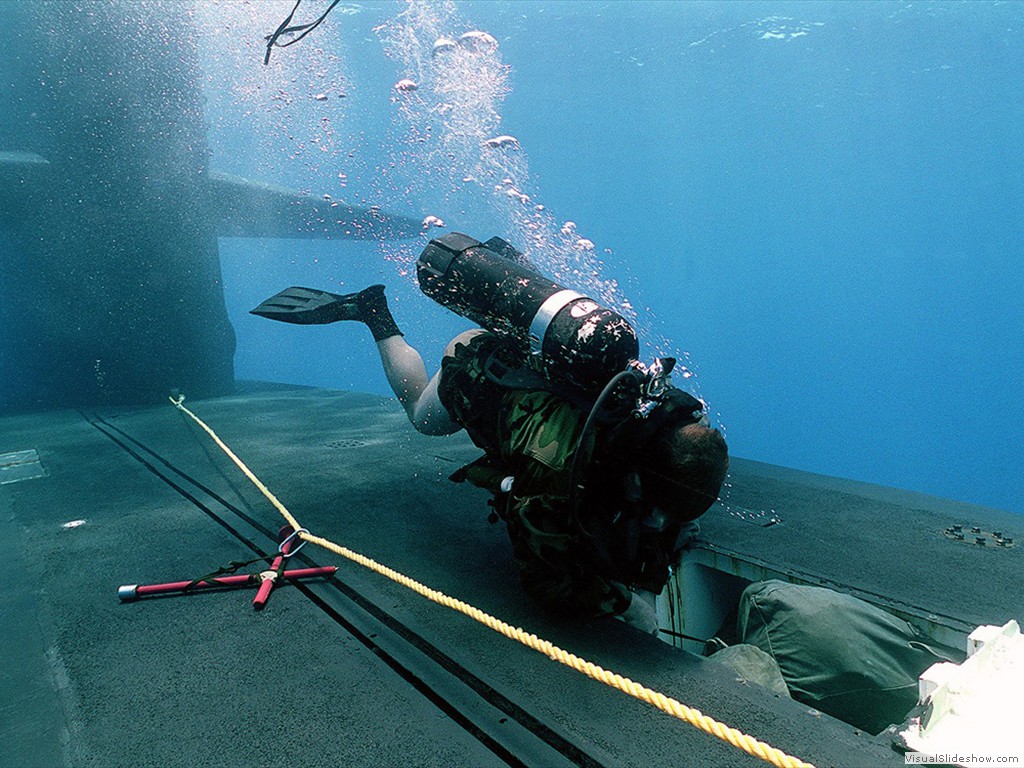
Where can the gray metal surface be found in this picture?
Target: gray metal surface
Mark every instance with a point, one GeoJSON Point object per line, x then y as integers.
{"type": "Point", "coordinates": [20, 465]}
{"type": "Point", "coordinates": [356, 671]}
{"type": "Point", "coordinates": [888, 544]}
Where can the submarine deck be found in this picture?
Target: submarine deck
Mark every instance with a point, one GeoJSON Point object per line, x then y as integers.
{"type": "Point", "coordinates": [357, 670]}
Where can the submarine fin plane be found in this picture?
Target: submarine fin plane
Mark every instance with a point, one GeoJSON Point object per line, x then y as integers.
{"type": "Point", "coordinates": [247, 208]}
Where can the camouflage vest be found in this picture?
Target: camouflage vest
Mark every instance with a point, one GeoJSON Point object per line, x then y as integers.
{"type": "Point", "coordinates": [529, 435]}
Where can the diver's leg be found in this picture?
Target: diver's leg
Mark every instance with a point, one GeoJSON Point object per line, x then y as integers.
{"type": "Point", "coordinates": [403, 365]}
{"type": "Point", "coordinates": [407, 376]}
{"type": "Point", "coordinates": [404, 368]}
{"type": "Point", "coordinates": [429, 415]}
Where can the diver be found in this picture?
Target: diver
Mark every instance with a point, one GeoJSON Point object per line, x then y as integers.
{"type": "Point", "coordinates": [598, 465]}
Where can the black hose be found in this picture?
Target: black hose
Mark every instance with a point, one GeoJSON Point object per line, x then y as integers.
{"type": "Point", "coordinates": [574, 487]}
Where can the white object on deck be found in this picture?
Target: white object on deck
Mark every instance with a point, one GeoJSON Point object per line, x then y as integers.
{"type": "Point", "coordinates": [974, 706]}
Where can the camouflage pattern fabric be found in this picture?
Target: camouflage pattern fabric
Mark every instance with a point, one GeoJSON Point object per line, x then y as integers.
{"type": "Point", "coordinates": [471, 399]}
{"type": "Point", "coordinates": [531, 435]}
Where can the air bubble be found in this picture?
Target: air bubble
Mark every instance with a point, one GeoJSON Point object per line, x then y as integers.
{"type": "Point", "coordinates": [478, 41]}
{"type": "Point", "coordinates": [503, 142]}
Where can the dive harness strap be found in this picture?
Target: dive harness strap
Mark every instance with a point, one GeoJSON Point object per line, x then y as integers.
{"type": "Point", "coordinates": [226, 570]}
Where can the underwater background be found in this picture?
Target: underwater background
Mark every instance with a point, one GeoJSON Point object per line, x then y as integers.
{"type": "Point", "coordinates": [819, 207]}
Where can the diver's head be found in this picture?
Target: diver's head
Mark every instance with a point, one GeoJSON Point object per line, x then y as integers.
{"type": "Point", "coordinates": [682, 469]}
{"type": "Point", "coordinates": [676, 477]}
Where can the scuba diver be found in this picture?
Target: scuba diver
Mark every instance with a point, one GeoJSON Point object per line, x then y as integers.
{"type": "Point", "coordinates": [598, 465]}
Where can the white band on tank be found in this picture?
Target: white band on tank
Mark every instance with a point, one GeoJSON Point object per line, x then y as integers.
{"type": "Point", "coordinates": [552, 305]}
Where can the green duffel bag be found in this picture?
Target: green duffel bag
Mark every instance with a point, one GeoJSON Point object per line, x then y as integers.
{"type": "Point", "coordinates": [838, 654]}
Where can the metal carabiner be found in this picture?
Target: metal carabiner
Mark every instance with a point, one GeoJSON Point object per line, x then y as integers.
{"type": "Point", "coordinates": [288, 553]}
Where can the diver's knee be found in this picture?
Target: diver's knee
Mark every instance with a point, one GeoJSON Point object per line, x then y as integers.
{"type": "Point", "coordinates": [429, 416]}
{"type": "Point", "coordinates": [432, 422]}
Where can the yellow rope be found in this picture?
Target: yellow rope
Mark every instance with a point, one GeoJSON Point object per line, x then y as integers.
{"type": "Point", "coordinates": [666, 704]}
{"type": "Point", "coordinates": [178, 403]}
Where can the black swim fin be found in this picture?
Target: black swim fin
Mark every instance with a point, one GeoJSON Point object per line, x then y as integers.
{"type": "Point", "coordinates": [308, 306]}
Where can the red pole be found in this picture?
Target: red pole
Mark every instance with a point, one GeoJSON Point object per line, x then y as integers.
{"type": "Point", "coordinates": [135, 591]}
{"type": "Point", "coordinates": [287, 538]}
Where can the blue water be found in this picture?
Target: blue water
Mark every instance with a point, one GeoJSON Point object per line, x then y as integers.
{"type": "Point", "coordinates": [818, 204]}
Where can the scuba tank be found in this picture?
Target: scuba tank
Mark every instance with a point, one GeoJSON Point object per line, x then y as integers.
{"type": "Point", "coordinates": [570, 338]}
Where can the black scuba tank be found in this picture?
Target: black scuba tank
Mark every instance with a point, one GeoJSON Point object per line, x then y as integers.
{"type": "Point", "coordinates": [570, 338]}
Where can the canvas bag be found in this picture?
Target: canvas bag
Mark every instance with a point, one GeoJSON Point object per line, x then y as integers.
{"type": "Point", "coordinates": [841, 655]}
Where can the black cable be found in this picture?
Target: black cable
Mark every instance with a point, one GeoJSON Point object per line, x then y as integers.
{"type": "Point", "coordinates": [284, 29]}
{"type": "Point", "coordinates": [278, 32]}
{"type": "Point", "coordinates": [680, 635]}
